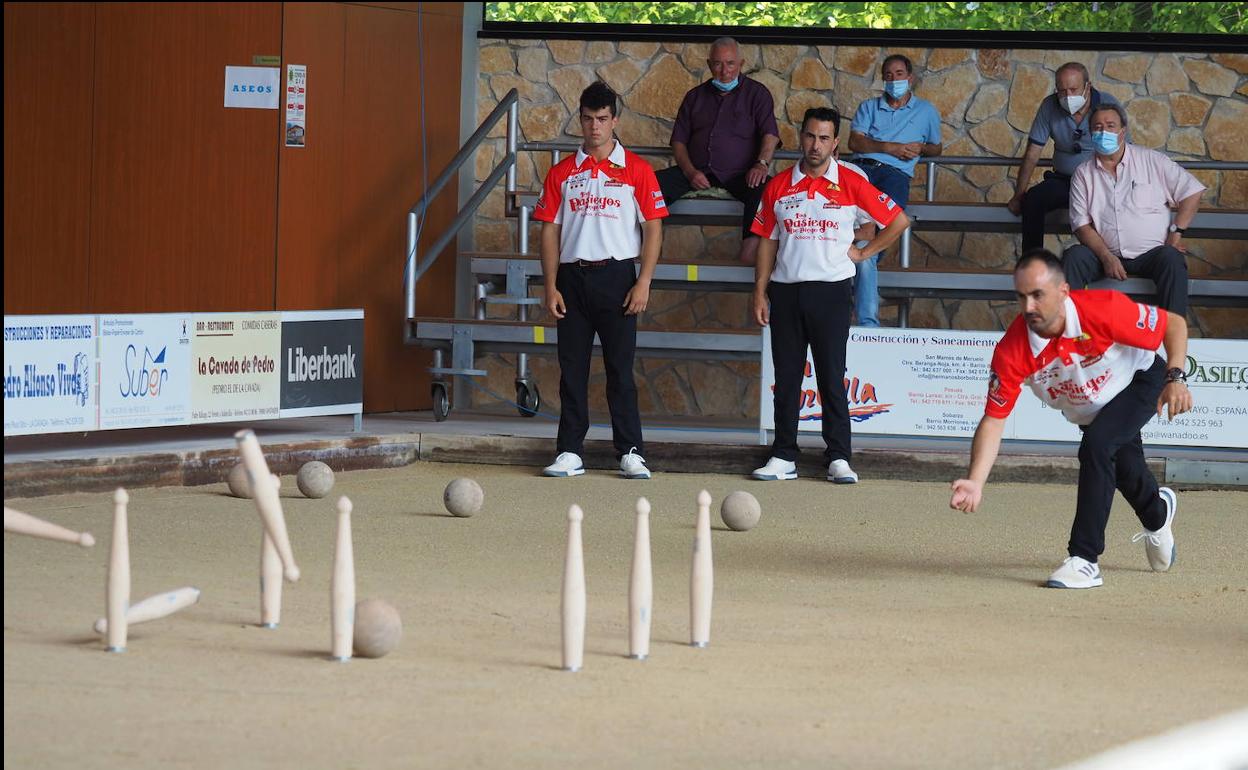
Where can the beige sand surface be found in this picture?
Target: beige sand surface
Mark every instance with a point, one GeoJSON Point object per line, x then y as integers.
{"type": "Point", "coordinates": [855, 627]}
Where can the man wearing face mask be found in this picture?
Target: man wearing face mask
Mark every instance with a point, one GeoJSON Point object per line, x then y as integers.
{"type": "Point", "coordinates": [888, 135]}
{"type": "Point", "coordinates": [1062, 117]}
{"type": "Point", "coordinates": [1120, 211]}
{"type": "Point", "coordinates": [725, 135]}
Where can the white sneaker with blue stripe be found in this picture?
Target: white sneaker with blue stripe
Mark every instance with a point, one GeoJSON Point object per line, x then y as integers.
{"type": "Point", "coordinates": [1076, 572]}
{"type": "Point", "coordinates": [633, 466]}
{"type": "Point", "coordinates": [566, 464]}
{"type": "Point", "coordinates": [776, 470]}
{"type": "Point", "coordinates": [1159, 545]}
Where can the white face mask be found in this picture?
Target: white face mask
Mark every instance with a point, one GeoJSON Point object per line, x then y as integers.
{"type": "Point", "coordinates": [1073, 103]}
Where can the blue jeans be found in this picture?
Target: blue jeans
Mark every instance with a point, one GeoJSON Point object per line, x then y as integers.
{"type": "Point", "coordinates": [866, 283]}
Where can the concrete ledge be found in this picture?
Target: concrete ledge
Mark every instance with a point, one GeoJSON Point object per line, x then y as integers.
{"type": "Point", "coordinates": [101, 474]}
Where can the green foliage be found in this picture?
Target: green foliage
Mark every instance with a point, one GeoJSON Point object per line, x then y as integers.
{"type": "Point", "coordinates": [1225, 17]}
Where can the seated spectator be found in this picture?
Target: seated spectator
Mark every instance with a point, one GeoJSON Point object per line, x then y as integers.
{"type": "Point", "coordinates": [1063, 117]}
{"type": "Point", "coordinates": [888, 135]}
{"type": "Point", "coordinates": [725, 136]}
{"type": "Point", "coordinates": [1120, 212]}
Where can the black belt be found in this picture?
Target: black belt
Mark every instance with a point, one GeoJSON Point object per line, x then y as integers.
{"type": "Point", "coordinates": [868, 162]}
{"type": "Point", "coordinates": [598, 263]}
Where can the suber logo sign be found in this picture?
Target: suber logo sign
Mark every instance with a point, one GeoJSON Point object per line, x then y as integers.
{"type": "Point", "coordinates": [145, 377]}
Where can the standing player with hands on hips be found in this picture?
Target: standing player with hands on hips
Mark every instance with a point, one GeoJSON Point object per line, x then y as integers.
{"type": "Point", "coordinates": [806, 259]}
{"type": "Point", "coordinates": [1092, 355]}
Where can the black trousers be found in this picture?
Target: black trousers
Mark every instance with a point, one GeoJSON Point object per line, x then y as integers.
{"type": "Point", "coordinates": [594, 298]}
{"type": "Point", "coordinates": [814, 313]}
{"type": "Point", "coordinates": [1051, 194]}
{"type": "Point", "coordinates": [1111, 456]}
{"type": "Point", "coordinates": [1165, 265]}
{"type": "Point", "coordinates": [675, 185]}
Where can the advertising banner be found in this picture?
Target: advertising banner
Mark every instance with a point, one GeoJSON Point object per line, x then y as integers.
{"type": "Point", "coordinates": [145, 370]}
{"type": "Point", "coordinates": [234, 371]}
{"type": "Point", "coordinates": [322, 358]}
{"type": "Point", "coordinates": [932, 382]}
{"type": "Point", "coordinates": [49, 374]}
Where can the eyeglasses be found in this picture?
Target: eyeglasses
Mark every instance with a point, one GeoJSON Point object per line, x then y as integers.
{"type": "Point", "coordinates": [1077, 136]}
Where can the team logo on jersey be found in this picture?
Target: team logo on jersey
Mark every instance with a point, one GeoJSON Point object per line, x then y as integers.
{"type": "Point", "coordinates": [1148, 317]}
{"type": "Point", "coordinates": [994, 389]}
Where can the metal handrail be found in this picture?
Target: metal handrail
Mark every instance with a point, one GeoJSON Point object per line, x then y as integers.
{"type": "Point", "coordinates": [930, 162]}
{"type": "Point", "coordinates": [412, 271]}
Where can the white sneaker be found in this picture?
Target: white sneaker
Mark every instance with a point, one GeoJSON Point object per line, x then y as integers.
{"type": "Point", "coordinates": [1159, 545]}
{"type": "Point", "coordinates": [1076, 572]}
{"type": "Point", "coordinates": [566, 464]}
{"type": "Point", "coordinates": [839, 472]}
{"type": "Point", "coordinates": [633, 466]}
{"type": "Point", "coordinates": [776, 470]}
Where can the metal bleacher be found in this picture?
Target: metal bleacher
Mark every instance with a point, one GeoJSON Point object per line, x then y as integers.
{"type": "Point", "coordinates": [506, 278]}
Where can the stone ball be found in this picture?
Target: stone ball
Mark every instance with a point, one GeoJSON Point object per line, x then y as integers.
{"type": "Point", "coordinates": [240, 485]}
{"type": "Point", "coordinates": [315, 479]}
{"type": "Point", "coordinates": [740, 511]}
{"type": "Point", "coordinates": [378, 628]}
{"type": "Point", "coordinates": [463, 497]}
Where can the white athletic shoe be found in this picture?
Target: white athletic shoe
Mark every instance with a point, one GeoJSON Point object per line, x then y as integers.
{"type": "Point", "coordinates": [633, 466]}
{"type": "Point", "coordinates": [776, 470]}
{"type": "Point", "coordinates": [839, 472]}
{"type": "Point", "coordinates": [1159, 545]}
{"type": "Point", "coordinates": [566, 464]}
{"type": "Point", "coordinates": [1076, 572]}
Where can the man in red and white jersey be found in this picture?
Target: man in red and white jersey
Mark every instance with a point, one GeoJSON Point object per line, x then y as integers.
{"type": "Point", "coordinates": [805, 268]}
{"type": "Point", "coordinates": [600, 208]}
{"type": "Point", "coordinates": [1092, 356]}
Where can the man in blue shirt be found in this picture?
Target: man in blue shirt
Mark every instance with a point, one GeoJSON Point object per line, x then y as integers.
{"type": "Point", "coordinates": [1062, 117]}
{"type": "Point", "coordinates": [888, 135]}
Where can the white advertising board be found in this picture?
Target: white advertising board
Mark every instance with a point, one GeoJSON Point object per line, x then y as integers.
{"type": "Point", "coordinates": [234, 371]}
{"type": "Point", "coordinates": [145, 370]}
{"type": "Point", "coordinates": [933, 382]}
{"type": "Point", "coordinates": [49, 374]}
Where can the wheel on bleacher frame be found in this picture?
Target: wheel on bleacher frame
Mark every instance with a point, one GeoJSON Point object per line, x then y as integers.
{"type": "Point", "coordinates": [441, 402]}
{"type": "Point", "coordinates": [528, 399]}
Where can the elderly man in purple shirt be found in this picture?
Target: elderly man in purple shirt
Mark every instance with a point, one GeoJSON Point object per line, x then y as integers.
{"type": "Point", "coordinates": [724, 136]}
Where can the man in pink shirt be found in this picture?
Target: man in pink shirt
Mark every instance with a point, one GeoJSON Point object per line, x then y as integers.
{"type": "Point", "coordinates": [1120, 211]}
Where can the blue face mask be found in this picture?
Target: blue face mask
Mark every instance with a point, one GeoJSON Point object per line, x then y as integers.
{"type": "Point", "coordinates": [897, 88]}
{"type": "Point", "coordinates": [1105, 142]}
{"type": "Point", "coordinates": [725, 87]}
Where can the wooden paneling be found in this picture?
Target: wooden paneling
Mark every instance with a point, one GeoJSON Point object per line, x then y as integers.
{"type": "Point", "coordinates": [382, 178]}
{"type": "Point", "coordinates": [184, 192]}
{"type": "Point", "coordinates": [309, 216]}
{"type": "Point", "coordinates": [48, 51]}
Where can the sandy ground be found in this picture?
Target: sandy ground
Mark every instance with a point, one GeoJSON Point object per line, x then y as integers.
{"type": "Point", "coordinates": [855, 627]}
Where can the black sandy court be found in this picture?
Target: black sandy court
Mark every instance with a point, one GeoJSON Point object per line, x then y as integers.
{"type": "Point", "coordinates": [865, 626]}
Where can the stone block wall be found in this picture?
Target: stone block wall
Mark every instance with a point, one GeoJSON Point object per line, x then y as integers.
{"type": "Point", "coordinates": [1192, 106]}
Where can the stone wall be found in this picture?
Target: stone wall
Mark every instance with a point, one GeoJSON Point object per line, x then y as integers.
{"type": "Point", "coordinates": [1192, 106]}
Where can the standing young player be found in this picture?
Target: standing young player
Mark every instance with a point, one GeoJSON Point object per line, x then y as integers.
{"type": "Point", "coordinates": [600, 209]}
{"type": "Point", "coordinates": [1092, 355]}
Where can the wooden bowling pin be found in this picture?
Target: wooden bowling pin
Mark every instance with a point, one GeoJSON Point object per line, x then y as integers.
{"type": "Point", "coordinates": [268, 503]}
{"type": "Point", "coordinates": [574, 594]}
{"type": "Point", "coordinates": [270, 579]}
{"type": "Point", "coordinates": [118, 575]}
{"type": "Point", "coordinates": [25, 524]}
{"type": "Point", "coordinates": [640, 586]}
{"type": "Point", "coordinates": [342, 586]}
{"type": "Point", "coordinates": [701, 576]}
{"type": "Point", "coordinates": [155, 607]}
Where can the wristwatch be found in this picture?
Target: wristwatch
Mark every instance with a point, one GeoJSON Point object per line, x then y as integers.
{"type": "Point", "coordinates": [1175, 374]}
{"type": "Point", "coordinates": [1176, 229]}
{"type": "Point", "coordinates": [764, 163]}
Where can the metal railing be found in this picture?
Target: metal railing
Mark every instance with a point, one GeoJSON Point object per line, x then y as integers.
{"type": "Point", "coordinates": [413, 268]}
